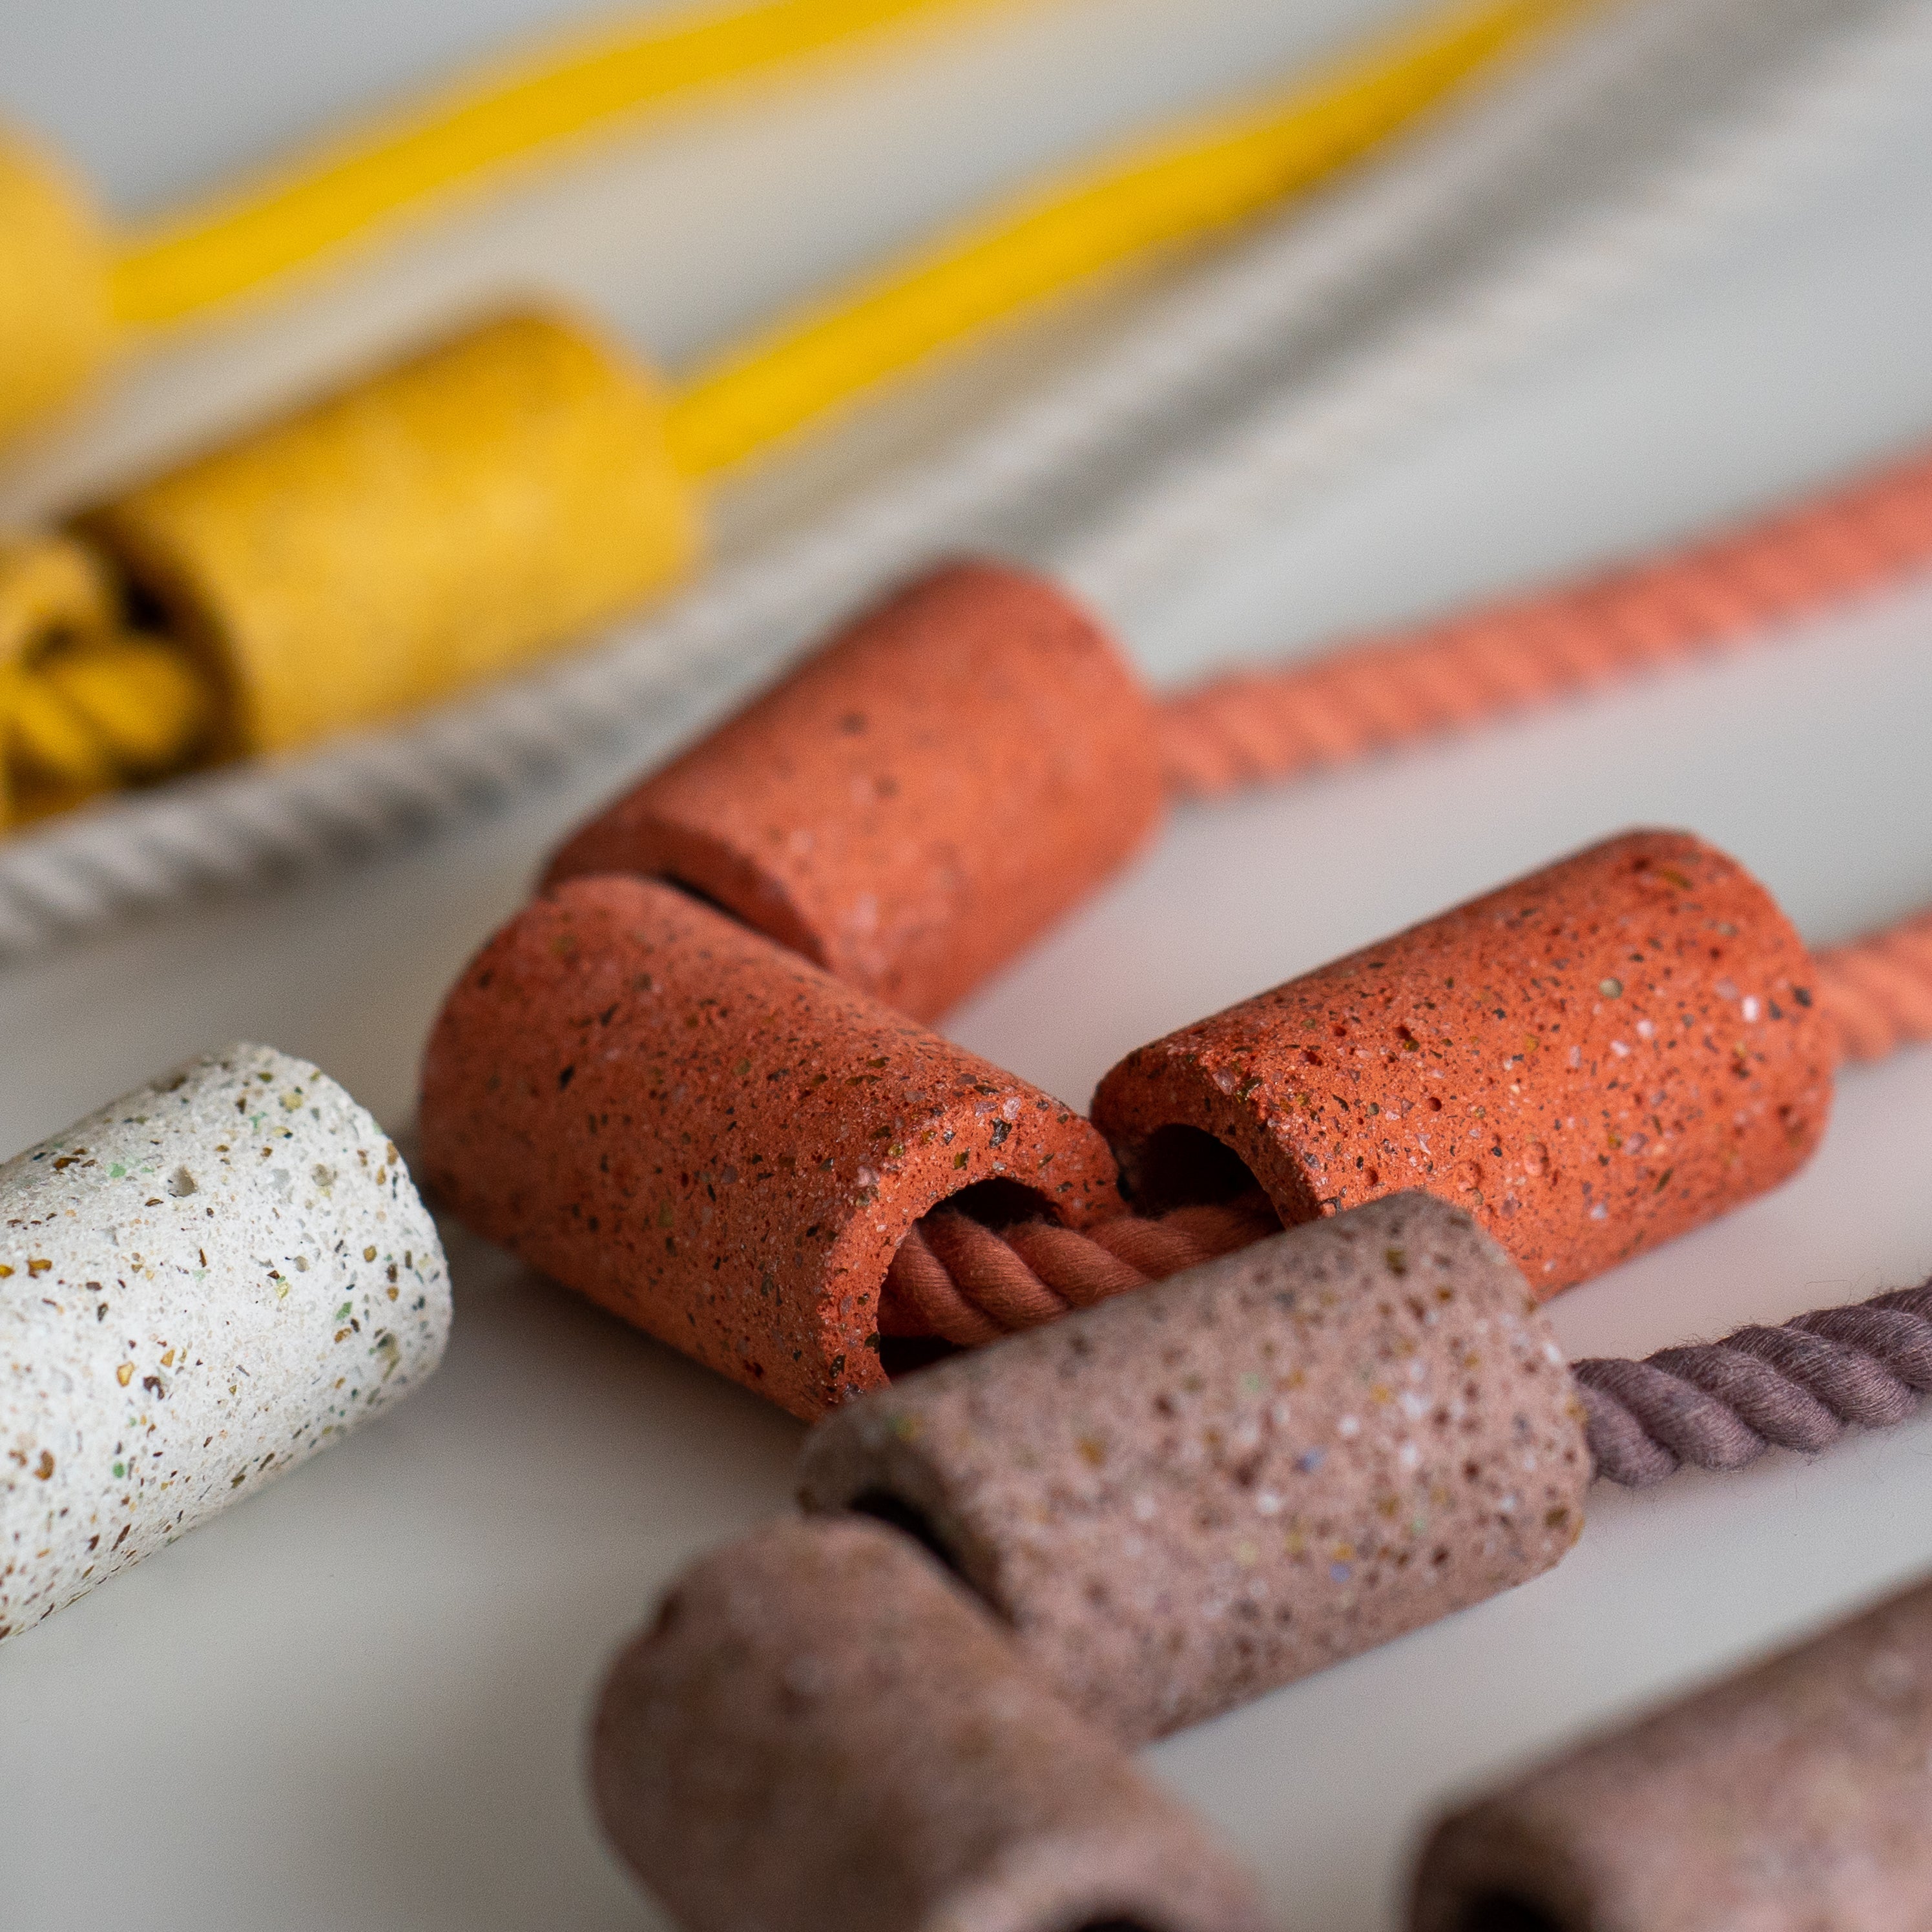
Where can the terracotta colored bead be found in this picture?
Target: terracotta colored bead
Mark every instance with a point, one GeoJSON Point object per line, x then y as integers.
{"type": "Point", "coordinates": [1593, 1059]}
{"type": "Point", "coordinates": [1185, 1497]}
{"type": "Point", "coordinates": [914, 806]}
{"type": "Point", "coordinates": [822, 1733]}
{"type": "Point", "coordinates": [714, 1138]}
{"type": "Point", "coordinates": [1793, 1797]}
{"type": "Point", "coordinates": [56, 328]}
{"type": "Point", "coordinates": [442, 521]}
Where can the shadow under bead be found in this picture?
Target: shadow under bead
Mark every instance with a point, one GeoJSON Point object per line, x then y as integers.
{"type": "Point", "coordinates": [1188, 1496]}
{"type": "Point", "coordinates": [1592, 1059]}
{"type": "Point", "coordinates": [715, 1139]}
{"type": "Point", "coordinates": [820, 1732]}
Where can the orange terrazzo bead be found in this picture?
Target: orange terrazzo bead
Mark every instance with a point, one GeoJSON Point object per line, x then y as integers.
{"type": "Point", "coordinates": [716, 1140]}
{"type": "Point", "coordinates": [918, 803]}
{"type": "Point", "coordinates": [1592, 1059]}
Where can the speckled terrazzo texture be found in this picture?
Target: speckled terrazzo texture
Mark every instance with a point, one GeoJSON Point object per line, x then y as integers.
{"type": "Point", "coordinates": [1794, 1797]}
{"type": "Point", "coordinates": [712, 1137]}
{"type": "Point", "coordinates": [200, 1286]}
{"type": "Point", "coordinates": [1182, 1498]}
{"type": "Point", "coordinates": [1591, 1060]}
{"type": "Point", "coordinates": [472, 507]}
{"type": "Point", "coordinates": [822, 1733]}
{"type": "Point", "coordinates": [920, 801]}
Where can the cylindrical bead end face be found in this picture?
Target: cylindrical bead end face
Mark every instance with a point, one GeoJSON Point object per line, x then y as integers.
{"type": "Point", "coordinates": [440, 522]}
{"type": "Point", "coordinates": [1597, 1057]}
{"type": "Point", "coordinates": [55, 328]}
{"type": "Point", "coordinates": [917, 804]}
{"type": "Point", "coordinates": [200, 1286]}
{"type": "Point", "coordinates": [1183, 1497]}
{"type": "Point", "coordinates": [709, 1136]}
{"type": "Point", "coordinates": [1793, 1797]}
{"type": "Point", "coordinates": [821, 1733]}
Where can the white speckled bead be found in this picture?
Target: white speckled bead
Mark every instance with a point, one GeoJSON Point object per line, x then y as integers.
{"type": "Point", "coordinates": [200, 1286]}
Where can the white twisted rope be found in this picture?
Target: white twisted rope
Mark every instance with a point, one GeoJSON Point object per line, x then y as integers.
{"type": "Point", "coordinates": [1294, 286]}
{"type": "Point", "coordinates": [1807, 76]}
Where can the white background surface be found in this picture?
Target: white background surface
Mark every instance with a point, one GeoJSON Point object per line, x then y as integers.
{"type": "Point", "coordinates": [357, 1702]}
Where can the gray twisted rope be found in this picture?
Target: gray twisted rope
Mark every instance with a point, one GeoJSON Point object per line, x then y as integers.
{"type": "Point", "coordinates": [1719, 1405]}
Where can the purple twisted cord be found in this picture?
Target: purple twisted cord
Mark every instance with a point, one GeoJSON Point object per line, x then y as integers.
{"type": "Point", "coordinates": [1717, 1404]}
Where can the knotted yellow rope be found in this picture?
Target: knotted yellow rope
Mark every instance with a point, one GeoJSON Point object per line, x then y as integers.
{"type": "Point", "coordinates": [87, 705]}
{"type": "Point", "coordinates": [102, 707]}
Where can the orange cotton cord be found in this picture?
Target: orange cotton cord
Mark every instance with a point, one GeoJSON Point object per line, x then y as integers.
{"type": "Point", "coordinates": [1261, 727]}
{"type": "Point", "coordinates": [968, 1284]}
{"type": "Point", "coordinates": [1878, 989]}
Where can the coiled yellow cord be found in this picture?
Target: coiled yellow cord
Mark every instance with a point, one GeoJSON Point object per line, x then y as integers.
{"type": "Point", "coordinates": [86, 705]}
{"type": "Point", "coordinates": [1187, 183]}
{"type": "Point", "coordinates": [217, 249]}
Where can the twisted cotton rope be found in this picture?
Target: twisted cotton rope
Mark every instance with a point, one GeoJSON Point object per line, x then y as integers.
{"type": "Point", "coordinates": [1261, 727]}
{"type": "Point", "coordinates": [1720, 1405]}
{"type": "Point", "coordinates": [1878, 989]}
{"type": "Point", "coordinates": [1786, 115]}
{"type": "Point", "coordinates": [1713, 1405]}
{"type": "Point", "coordinates": [1293, 289]}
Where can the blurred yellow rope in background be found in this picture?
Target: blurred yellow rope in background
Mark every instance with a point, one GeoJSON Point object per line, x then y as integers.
{"type": "Point", "coordinates": [98, 706]}
{"type": "Point", "coordinates": [193, 258]}
{"type": "Point", "coordinates": [1186, 183]}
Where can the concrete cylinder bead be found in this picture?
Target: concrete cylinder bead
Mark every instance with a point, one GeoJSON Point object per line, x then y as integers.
{"type": "Point", "coordinates": [56, 328]}
{"type": "Point", "coordinates": [443, 521]}
{"type": "Point", "coordinates": [919, 802]}
{"type": "Point", "coordinates": [822, 1733]}
{"type": "Point", "coordinates": [1793, 1797]}
{"type": "Point", "coordinates": [714, 1138]}
{"type": "Point", "coordinates": [200, 1286]}
{"type": "Point", "coordinates": [1184, 1497]}
{"type": "Point", "coordinates": [1591, 1060]}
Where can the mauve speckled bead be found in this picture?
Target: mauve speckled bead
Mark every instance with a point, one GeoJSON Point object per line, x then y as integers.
{"type": "Point", "coordinates": [1796, 1796]}
{"type": "Point", "coordinates": [715, 1139]}
{"type": "Point", "coordinates": [200, 1286]}
{"type": "Point", "coordinates": [1592, 1059]}
{"type": "Point", "coordinates": [918, 801]}
{"type": "Point", "coordinates": [822, 1733]}
{"type": "Point", "coordinates": [1187, 1495]}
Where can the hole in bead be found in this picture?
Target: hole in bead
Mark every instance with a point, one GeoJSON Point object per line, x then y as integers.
{"type": "Point", "coordinates": [1181, 1167]}
{"type": "Point", "coordinates": [895, 1513]}
{"type": "Point", "coordinates": [997, 1204]}
{"type": "Point", "coordinates": [906, 1354]}
{"type": "Point", "coordinates": [1504, 1911]}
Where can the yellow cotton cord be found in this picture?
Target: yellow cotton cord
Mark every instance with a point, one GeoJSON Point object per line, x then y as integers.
{"type": "Point", "coordinates": [1203, 177]}
{"type": "Point", "coordinates": [86, 705]}
{"type": "Point", "coordinates": [212, 252]}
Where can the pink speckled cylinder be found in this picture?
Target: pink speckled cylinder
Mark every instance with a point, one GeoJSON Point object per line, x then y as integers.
{"type": "Point", "coordinates": [1184, 1497]}
{"type": "Point", "coordinates": [821, 1733]}
{"type": "Point", "coordinates": [1796, 1796]}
